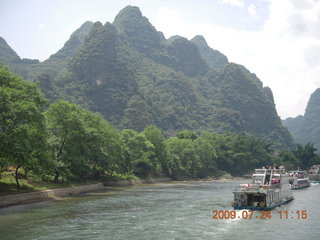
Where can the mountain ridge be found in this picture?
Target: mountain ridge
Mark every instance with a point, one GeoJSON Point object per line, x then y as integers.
{"type": "Point", "coordinates": [133, 76]}
{"type": "Point", "coordinates": [306, 128]}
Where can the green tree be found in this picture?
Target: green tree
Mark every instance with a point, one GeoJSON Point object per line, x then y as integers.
{"type": "Point", "coordinates": [306, 155]}
{"type": "Point", "coordinates": [22, 129]}
{"type": "Point", "coordinates": [138, 153]}
{"type": "Point", "coordinates": [160, 162]}
{"type": "Point", "coordinates": [103, 145]}
{"type": "Point", "coordinates": [187, 135]}
{"type": "Point", "coordinates": [205, 146]}
{"type": "Point", "coordinates": [223, 147]}
{"type": "Point", "coordinates": [288, 159]}
{"type": "Point", "coordinates": [81, 143]}
{"type": "Point", "coordinates": [238, 154]}
{"type": "Point", "coordinates": [183, 158]}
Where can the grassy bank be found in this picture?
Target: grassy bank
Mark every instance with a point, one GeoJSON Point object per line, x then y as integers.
{"type": "Point", "coordinates": [33, 183]}
{"type": "Point", "coordinates": [8, 184]}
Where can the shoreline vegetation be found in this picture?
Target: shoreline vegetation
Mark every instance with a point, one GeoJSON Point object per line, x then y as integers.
{"type": "Point", "coordinates": [59, 143]}
{"type": "Point", "coordinates": [8, 187]}
{"type": "Point", "coordinates": [26, 197]}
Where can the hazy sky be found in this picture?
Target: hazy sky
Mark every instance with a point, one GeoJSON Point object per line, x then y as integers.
{"type": "Point", "coordinates": [279, 40]}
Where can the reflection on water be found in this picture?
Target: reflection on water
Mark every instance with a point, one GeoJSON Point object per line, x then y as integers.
{"type": "Point", "coordinates": [160, 211]}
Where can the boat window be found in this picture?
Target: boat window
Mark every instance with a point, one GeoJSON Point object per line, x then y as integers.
{"type": "Point", "coordinates": [250, 199]}
{"type": "Point", "coordinates": [275, 180]}
{"type": "Point", "coordinates": [257, 179]}
{"type": "Point", "coordinates": [257, 198]}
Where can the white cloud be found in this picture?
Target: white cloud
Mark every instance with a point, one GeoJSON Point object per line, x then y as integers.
{"type": "Point", "coordinates": [42, 27]}
{"type": "Point", "coordinates": [284, 53]}
{"type": "Point", "coordinates": [294, 71]}
{"type": "Point", "coordinates": [305, 4]}
{"type": "Point", "coordinates": [252, 10]}
{"type": "Point", "coordinates": [169, 20]}
{"type": "Point", "coordinates": [236, 3]}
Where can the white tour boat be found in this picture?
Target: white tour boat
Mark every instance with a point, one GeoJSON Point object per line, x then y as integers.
{"type": "Point", "coordinates": [299, 179]}
{"type": "Point", "coordinates": [269, 189]}
{"type": "Point", "coordinates": [314, 174]}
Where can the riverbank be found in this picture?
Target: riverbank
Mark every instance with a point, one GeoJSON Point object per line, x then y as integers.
{"type": "Point", "coordinates": [54, 194]}
{"type": "Point", "coordinates": [38, 196]}
{"type": "Point", "coordinates": [8, 185]}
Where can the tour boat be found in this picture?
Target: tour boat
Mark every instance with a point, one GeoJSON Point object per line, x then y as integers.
{"type": "Point", "coordinates": [269, 188]}
{"type": "Point", "coordinates": [299, 179]}
{"type": "Point", "coordinates": [314, 174]}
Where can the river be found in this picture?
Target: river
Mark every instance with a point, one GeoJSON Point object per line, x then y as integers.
{"type": "Point", "coordinates": [160, 211]}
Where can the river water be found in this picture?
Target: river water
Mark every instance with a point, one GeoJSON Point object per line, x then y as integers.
{"type": "Point", "coordinates": [160, 211]}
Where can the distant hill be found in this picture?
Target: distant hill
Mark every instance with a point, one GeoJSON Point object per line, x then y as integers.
{"type": "Point", "coordinates": [133, 76]}
{"type": "Point", "coordinates": [306, 128]}
{"type": "Point", "coordinates": [7, 54]}
{"type": "Point", "coordinates": [10, 58]}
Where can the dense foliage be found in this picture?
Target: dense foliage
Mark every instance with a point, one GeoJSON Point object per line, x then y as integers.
{"type": "Point", "coordinates": [22, 128]}
{"type": "Point", "coordinates": [66, 142]}
{"type": "Point", "coordinates": [81, 144]}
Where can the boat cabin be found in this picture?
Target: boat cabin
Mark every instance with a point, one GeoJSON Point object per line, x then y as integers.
{"type": "Point", "coordinates": [268, 188]}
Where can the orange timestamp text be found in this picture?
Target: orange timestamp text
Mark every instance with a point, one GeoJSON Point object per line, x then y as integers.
{"type": "Point", "coordinates": [248, 214]}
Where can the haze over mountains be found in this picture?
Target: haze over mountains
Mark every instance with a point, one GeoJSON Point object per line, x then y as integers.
{"type": "Point", "coordinates": [133, 76]}
{"type": "Point", "coordinates": [306, 128]}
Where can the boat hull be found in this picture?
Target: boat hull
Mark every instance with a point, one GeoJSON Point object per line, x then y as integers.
{"type": "Point", "coordinates": [257, 208]}
{"type": "Point", "coordinates": [299, 186]}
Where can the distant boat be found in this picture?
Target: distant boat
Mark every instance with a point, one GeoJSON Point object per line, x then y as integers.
{"type": "Point", "coordinates": [269, 188]}
{"type": "Point", "coordinates": [314, 173]}
{"type": "Point", "coordinates": [299, 179]}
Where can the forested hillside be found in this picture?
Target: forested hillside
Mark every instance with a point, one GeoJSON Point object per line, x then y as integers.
{"type": "Point", "coordinates": [134, 77]}
{"type": "Point", "coordinates": [306, 128]}
{"type": "Point", "coordinates": [63, 142]}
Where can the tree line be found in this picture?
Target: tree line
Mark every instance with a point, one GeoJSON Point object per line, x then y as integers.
{"type": "Point", "coordinates": [63, 141]}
